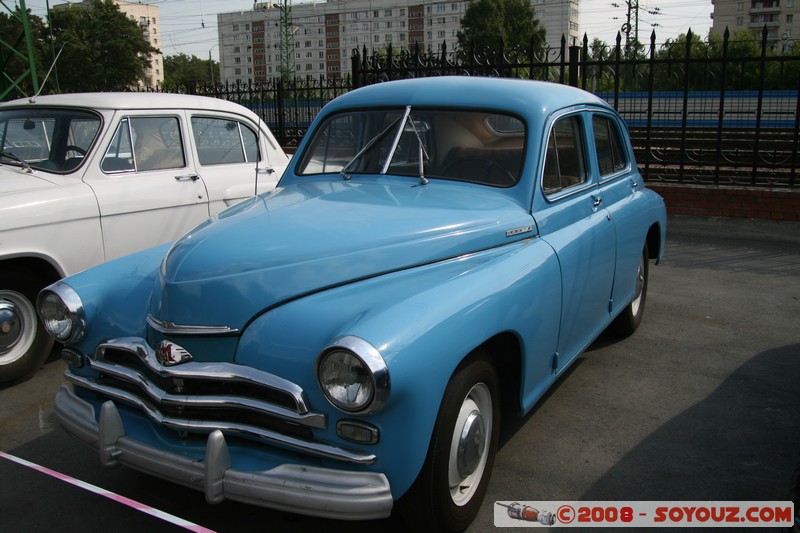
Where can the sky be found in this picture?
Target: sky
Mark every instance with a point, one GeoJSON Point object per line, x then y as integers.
{"type": "Point", "coordinates": [190, 26]}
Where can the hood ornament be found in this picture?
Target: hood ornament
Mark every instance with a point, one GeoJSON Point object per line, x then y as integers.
{"type": "Point", "coordinates": [170, 354]}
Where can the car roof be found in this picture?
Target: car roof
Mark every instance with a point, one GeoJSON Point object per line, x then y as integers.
{"type": "Point", "coordinates": [130, 101]}
{"type": "Point", "coordinates": [518, 96]}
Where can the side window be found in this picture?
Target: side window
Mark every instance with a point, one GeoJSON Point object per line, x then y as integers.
{"type": "Point", "coordinates": [157, 143]}
{"type": "Point", "coordinates": [221, 141]}
{"type": "Point", "coordinates": [565, 164]}
{"type": "Point", "coordinates": [610, 153]}
{"type": "Point", "coordinates": [145, 143]}
{"type": "Point", "coordinates": [119, 154]}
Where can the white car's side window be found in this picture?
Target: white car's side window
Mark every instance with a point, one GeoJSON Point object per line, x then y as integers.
{"type": "Point", "coordinates": [145, 143]}
{"type": "Point", "coordinates": [222, 141]}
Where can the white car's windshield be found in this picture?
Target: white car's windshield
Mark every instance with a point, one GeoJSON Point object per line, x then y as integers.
{"type": "Point", "coordinates": [55, 140]}
{"type": "Point", "coordinates": [477, 146]}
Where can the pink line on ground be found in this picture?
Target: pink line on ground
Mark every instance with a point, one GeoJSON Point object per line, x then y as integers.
{"type": "Point", "coordinates": [110, 495]}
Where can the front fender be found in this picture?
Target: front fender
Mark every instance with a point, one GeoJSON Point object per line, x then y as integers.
{"type": "Point", "coordinates": [115, 296]}
{"type": "Point", "coordinates": [424, 321]}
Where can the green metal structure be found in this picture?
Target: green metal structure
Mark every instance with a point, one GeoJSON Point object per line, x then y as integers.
{"type": "Point", "coordinates": [11, 49]}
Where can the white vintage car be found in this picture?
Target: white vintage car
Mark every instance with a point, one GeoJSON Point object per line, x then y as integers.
{"type": "Point", "coordinates": [85, 178]}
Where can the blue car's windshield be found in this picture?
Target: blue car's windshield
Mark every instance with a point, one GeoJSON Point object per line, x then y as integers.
{"type": "Point", "coordinates": [476, 146]}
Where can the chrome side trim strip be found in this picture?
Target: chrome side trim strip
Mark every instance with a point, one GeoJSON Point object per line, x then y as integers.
{"type": "Point", "coordinates": [291, 443]}
{"type": "Point", "coordinates": [170, 328]}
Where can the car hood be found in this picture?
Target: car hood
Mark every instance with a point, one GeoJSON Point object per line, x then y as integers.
{"type": "Point", "coordinates": [307, 237]}
{"type": "Point", "coordinates": [14, 179]}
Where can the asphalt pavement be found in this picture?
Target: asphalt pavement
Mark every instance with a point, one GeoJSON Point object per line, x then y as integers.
{"type": "Point", "coordinates": [701, 403]}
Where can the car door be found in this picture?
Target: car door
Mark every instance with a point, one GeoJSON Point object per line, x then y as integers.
{"type": "Point", "coordinates": [619, 181]}
{"type": "Point", "coordinates": [572, 219]}
{"type": "Point", "coordinates": [146, 187]}
{"type": "Point", "coordinates": [234, 159]}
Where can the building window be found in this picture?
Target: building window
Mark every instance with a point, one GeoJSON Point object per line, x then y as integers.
{"type": "Point", "coordinates": [235, 27]}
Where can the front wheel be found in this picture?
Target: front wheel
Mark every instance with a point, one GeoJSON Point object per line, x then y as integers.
{"type": "Point", "coordinates": [24, 345]}
{"type": "Point", "coordinates": [629, 319]}
{"type": "Point", "coordinates": [448, 492]}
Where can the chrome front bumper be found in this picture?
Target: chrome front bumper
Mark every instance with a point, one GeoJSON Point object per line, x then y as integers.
{"type": "Point", "coordinates": [306, 490]}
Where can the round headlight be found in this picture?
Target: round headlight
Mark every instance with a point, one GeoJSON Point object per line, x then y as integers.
{"type": "Point", "coordinates": [346, 381]}
{"type": "Point", "coordinates": [61, 311]}
{"type": "Point", "coordinates": [353, 375]}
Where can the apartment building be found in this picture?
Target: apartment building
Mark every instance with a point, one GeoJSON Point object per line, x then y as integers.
{"type": "Point", "coordinates": [148, 18]}
{"type": "Point", "coordinates": [321, 36]}
{"type": "Point", "coordinates": [781, 17]}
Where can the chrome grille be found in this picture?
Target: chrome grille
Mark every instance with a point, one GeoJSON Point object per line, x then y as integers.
{"type": "Point", "coordinates": [202, 397]}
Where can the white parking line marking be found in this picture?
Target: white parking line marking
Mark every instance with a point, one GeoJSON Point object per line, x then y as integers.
{"type": "Point", "coordinates": [110, 495]}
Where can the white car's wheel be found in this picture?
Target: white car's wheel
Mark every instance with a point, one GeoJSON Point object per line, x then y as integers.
{"type": "Point", "coordinates": [24, 345]}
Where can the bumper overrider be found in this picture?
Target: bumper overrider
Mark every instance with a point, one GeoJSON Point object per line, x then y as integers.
{"type": "Point", "coordinates": [303, 489]}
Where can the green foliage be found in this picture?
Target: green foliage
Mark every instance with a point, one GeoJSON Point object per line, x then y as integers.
{"type": "Point", "coordinates": [103, 50]}
{"type": "Point", "coordinates": [487, 22]}
{"type": "Point", "coordinates": [188, 71]}
{"type": "Point", "coordinates": [14, 54]}
{"type": "Point", "coordinates": [690, 62]}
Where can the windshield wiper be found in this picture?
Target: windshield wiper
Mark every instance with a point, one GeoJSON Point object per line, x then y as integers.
{"type": "Point", "coordinates": [370, 144]}
{"type": "Point", "coordinates": [422, 152]}
{"type": "Point", "coordinates": [8, 155]}
{"type": "Point", "coordinates": [406, 123]}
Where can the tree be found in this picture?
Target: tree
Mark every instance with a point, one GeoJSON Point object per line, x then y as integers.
{"type": "Point", "coordinates": [103, 50]}
{"type": "Point", "coordinates": [187, 71]}
{"type": "Point", "coordinates": [13, 53]}
{"type": "Point", "coordinates": [486, 22]}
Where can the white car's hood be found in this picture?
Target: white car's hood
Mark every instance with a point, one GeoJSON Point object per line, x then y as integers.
{"type": "Point", "coordinates": [15, 179]}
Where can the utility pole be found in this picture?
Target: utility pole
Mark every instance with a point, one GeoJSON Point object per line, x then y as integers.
{"type": "Point", "coordinates": [627, 27]}
{"type": "Point", "coordinates": [287, 39]}
{"type": "Point", "coordinates": [7, 84]}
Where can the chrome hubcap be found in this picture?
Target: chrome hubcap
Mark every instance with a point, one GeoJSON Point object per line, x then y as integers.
{"type": "Point", "coordinates": [17, 326]}
{"type": "Point", "coordinates": [469, 446]}
{"type": "Point", "coordinates": [637, 302]}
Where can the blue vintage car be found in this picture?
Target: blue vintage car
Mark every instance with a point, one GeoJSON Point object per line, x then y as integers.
{"type": "Point", "coordinates": [437, 252]}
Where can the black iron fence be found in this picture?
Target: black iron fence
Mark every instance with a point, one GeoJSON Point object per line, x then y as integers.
{"type": "Point", "coordinates": [718, 112]}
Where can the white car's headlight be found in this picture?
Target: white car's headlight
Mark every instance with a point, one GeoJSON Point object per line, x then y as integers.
{"type": "Point", "coordinates": [353, 375]}
{"type": "Point", "coordinates": [61, 311]}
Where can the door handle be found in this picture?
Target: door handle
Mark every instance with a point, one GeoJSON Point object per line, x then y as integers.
{"type": "Point", "coordinates": [596, 200]}
{"type": "Point", "coordinates": [187, 177]}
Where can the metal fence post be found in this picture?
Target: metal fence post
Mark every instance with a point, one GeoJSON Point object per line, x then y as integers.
{"type": "Point", "coordinates": [574, 57]}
